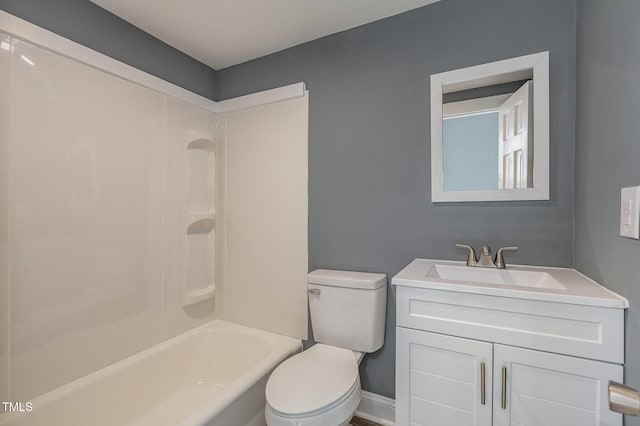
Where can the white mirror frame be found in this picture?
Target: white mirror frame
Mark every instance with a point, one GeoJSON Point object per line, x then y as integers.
{"type": "Point", "coordinates": [539, 63]}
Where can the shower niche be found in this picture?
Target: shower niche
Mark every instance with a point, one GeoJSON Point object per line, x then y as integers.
{"type": "Point", "coordinates": [200, 152]}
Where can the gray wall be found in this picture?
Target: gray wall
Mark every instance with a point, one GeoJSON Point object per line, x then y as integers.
{"type": "Point", "coordinates": [608, 154]}
{"type": "Point", "coordinates": [90, 25]}
{"type": "Point", "coordinates": [369, 185]}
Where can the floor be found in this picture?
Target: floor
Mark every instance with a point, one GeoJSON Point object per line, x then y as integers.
{"type": "Point", "coordinates": [357, 421]}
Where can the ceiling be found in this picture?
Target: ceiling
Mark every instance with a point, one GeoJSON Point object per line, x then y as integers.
{"type": "Point", "coordinates": [221, 33]}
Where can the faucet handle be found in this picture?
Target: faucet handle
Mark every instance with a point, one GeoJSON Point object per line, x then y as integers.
{"type": "Point", "coordinates": [472, 259]}
{"type": "Point", "coordinates": [499, 261]}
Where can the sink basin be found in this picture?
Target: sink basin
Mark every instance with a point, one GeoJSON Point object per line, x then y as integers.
{"type": "Point", "coordinates": [502, 277]}
{"type": "Point", "coordinates": [550, 284]}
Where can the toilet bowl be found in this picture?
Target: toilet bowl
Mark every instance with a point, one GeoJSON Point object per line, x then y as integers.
{"type": "Point", "coordinates": [321, 386]}
{"type": "Point", "coordinates": [318, 387]}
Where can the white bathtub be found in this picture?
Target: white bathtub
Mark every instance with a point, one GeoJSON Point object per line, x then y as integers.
{"type": "Point", "coordinates": [215, 375]}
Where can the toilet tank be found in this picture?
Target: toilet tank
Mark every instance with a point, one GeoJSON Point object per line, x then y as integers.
{"type": "Point", "coordinates": [348, 309]}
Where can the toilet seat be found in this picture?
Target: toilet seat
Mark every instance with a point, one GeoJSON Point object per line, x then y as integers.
{"type": "Point", "coordinates": [318, 386]}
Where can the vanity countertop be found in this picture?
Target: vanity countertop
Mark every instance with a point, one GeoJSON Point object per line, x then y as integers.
{"type": "Point", "coordinates": [561, 285]}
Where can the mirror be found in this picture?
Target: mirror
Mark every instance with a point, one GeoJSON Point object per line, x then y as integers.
{"type": "Point", "coordinates": [490, 131]}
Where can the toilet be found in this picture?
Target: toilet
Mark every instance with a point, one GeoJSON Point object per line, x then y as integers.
{"type": "Point", "coordinates": [321, 386]}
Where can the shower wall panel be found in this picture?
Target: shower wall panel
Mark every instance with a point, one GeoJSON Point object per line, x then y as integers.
{"type": "Point", "coordinates": [5, 64]}
{"type": "Point", "coordinates": [94, 219]}
{"type": "Point", "coordinates": [267, 210]}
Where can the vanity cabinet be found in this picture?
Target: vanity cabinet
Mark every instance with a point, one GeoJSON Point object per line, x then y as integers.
{"type": "Point", "coordinates": [473, 359]}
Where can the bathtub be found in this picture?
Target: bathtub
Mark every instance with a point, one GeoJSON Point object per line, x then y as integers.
{"type": "Point", "coordinates": [213, 375]}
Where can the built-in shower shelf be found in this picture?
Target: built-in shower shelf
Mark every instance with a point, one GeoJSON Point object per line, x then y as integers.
{"type": "Point", "coordinates": [199, 217]}
{"type": "Point", "coordinates": [191, 297]}
{"type": "Point", "coordinates": [200, 222]}
{"type": "Point", "coordinates": [201, 169]}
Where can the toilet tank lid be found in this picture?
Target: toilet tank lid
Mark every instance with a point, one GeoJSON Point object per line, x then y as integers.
{"type": "Point", "coordinates": [349, 279]}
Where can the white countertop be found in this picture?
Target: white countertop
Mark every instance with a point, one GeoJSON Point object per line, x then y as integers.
{"type": "Point", "coordinates": [578, 289]}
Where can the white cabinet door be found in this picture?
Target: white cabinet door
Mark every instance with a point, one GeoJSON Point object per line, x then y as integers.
{"type": "Point", "coordinates": [439, 380]}
{"type": "Point", "coordinates": [543, 389]}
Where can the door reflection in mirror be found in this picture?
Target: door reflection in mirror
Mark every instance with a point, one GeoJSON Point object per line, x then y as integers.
{"type": "Point", "coordinates": [487, 137]}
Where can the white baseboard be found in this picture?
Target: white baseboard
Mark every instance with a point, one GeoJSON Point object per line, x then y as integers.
{"type": "Point", "coordinates": [377, 408]}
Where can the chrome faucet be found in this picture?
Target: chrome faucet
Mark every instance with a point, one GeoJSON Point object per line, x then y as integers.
{"type": "Point", "coordinates": [472, 259]}
{"type": "Point", "coordinates": [485, 260]}
{"type": "Point", "coordinates": [499, 260]}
